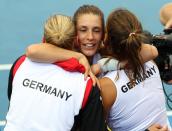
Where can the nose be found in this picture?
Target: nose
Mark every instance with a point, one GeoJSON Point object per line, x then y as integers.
{"type": "Point", "coordinates": [90, 35]}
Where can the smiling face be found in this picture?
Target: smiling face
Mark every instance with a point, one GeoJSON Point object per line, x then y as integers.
{"type": "Point", "coordinates": [89, 32]}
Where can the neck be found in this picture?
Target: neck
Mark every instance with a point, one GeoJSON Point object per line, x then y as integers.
{"type": "Point", "coordinates": [90, 59]}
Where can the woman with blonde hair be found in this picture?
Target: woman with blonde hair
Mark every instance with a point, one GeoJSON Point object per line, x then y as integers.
{"type": "Point", "coordinates": [47, 97]}
{"type": "Point", "coordinates": [59, 30]}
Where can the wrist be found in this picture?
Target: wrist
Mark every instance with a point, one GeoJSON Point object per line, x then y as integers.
{"type": "Point", "coordinates": [80, 56]}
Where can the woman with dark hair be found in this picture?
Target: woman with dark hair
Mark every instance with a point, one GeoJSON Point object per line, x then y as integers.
{"type": "Point", "coordinates": [133, 97]}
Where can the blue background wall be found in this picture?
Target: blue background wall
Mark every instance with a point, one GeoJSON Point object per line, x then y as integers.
{"type": "Point", "coordinates": [21, 23]}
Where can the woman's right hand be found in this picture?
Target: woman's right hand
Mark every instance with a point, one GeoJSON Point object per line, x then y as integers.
{"type": "Point", "coordinates": [88, 72]}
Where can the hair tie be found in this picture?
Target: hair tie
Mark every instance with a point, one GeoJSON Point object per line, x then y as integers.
{"type": "Point", "coordinates": [133, 33]}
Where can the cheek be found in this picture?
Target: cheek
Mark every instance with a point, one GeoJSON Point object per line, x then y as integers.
{"type": "Point", "coordinates": [99, 37]}
{"type": "Point", "coordinates": [97, 47]}
{"type": "Point", "coordinates": [99, 40]}
{"type": "Point", "coordinates": [80, 38]}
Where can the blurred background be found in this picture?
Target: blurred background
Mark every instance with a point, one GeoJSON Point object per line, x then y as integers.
{"type": "Point", "coordinates": [21, 24]}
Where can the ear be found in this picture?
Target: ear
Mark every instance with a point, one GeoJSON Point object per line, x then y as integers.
{"type": "Point", "coordinates": [102, 45]}
{"type": "Point", "coordinates": [43, 40]}
{"type": "Point", "coordinates": [105, 40]}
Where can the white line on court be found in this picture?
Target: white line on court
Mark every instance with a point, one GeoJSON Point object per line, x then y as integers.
{"type": "Point", "coordinates": [5, 66]}
{"type": "Point", "coordinates": [169, 113]}
{"type": "Point", "coordinates": [2, 123]}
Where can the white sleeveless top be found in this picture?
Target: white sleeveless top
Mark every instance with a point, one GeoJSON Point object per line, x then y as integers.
{"type": "Point", "coordinates": [44, 98]}
{"type": "Point", "coordinates": [137, 108]}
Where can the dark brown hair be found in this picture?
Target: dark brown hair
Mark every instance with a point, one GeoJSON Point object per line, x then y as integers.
{"type": "Point", "coordinates": [124, 36]}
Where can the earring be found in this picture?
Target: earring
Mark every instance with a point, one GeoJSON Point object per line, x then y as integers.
{"type": "Point", "coordinates": [102, 45]}
{"type": "Point", "coordinates": [43, 40]}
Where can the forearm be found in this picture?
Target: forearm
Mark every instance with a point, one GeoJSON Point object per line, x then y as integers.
{"type": "Point", "coordinates": [49, 53]}
{"type": "Point", "coordinates": [148, 52]}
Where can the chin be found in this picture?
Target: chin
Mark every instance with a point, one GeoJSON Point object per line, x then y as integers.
{"type": "Point", "coordinates": [89, 53]}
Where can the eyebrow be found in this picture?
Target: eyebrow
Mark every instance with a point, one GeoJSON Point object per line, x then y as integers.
{"type": "Point", "coordinates": [82, 26]}
{"type": "Point", "coordinates": [95, 27]}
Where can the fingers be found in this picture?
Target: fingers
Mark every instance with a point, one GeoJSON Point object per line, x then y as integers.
{"type": "Point", "coordinates": [86, 74]}
{"type": "Point", "coordinates": [158, 127]}
{"type": "Point", "coordinates": [155, 127]}
{"type": "Point", "coordinates": [93, 77]}
{"type": "Point", "coordinates": [164, 128]}
{"type": "Point", "coordinates": [98, 84]}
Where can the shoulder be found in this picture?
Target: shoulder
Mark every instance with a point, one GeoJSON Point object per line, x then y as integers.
{"type": "Point", "coordinates": [17, 64]}
{"type": "Point", "coordinates": [150, 63]}
{"type": "Point", "coordinates": [96, 57]}
{"type": "Point", "coordinates": [108, 92]}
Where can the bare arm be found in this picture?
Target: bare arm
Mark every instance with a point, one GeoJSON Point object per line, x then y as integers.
{"type": "Point", "coordinates": [48, 53]}
{"type": "Point", "coordinates": [148, 52]}
{"type": "Point", "coordinates": [108, 93]}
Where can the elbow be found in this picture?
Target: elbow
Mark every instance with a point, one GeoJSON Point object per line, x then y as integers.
{"type": "Point", "coordinates": [154, 52]}
{"type": "Point", "coordinates": [30, 51]}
